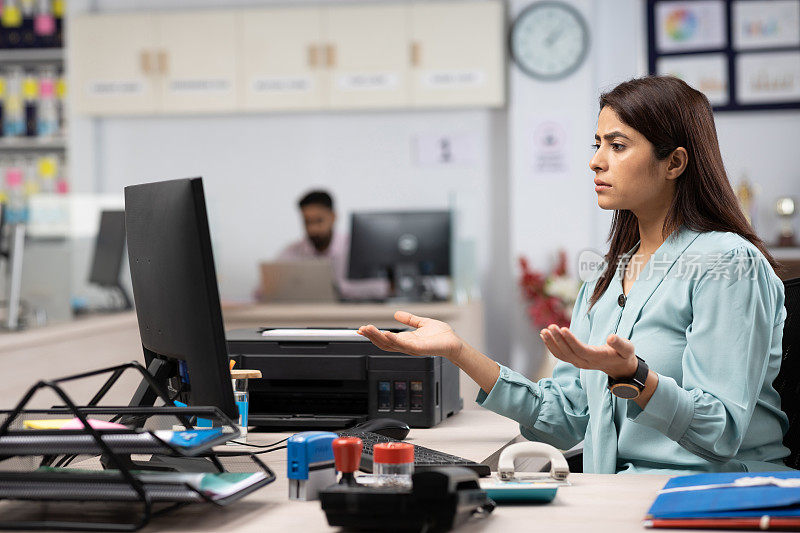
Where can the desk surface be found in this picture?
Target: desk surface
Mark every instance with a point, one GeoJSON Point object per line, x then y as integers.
{"type": "Point", "coordinates": [107, 340]}
{"type": "Point", "coordinates": [343, 314]}
{"type": "Point", "coordinates": [597, 503]}
{"type": "Point", "coordinates": [609, 503]}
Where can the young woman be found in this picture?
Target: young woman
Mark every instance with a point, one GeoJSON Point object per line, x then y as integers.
{"type": "Point", "coordinates": [669, 360]}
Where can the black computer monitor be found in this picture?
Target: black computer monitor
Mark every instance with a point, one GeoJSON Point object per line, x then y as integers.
{"type": "Point", "coordinates": [401, 246]}
{"type": "Point", "coordinates": [109, 251]}
{"type": "Point", "coordinates": [175, 290]}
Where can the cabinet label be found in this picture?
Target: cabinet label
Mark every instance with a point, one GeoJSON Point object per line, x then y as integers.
{"type": "Point", "coordinates": [114, 87]}
{"type": "Point", "coordinates": [452, 79]}
{"type": "Point", "coordinates": [368, 81]}
{"type": "Point", "coordinates": [195, 86]}
{"type": "Point", "coordinates": [282, 84]}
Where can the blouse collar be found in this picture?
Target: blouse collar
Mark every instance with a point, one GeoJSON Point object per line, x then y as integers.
{"type": "Point", "coordinates": [651, 276]}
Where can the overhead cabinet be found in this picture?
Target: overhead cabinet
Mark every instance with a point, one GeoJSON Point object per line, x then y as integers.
{"type": "Point", "coordinates": [170, 62]}
{"type": "Point", "coordinates": [282, 59]}
{"type": "Point", "coordinates": [293, 58]}
{"type": "Point", "coordinates": [457, 54]}
{"type": "Point", "coordinates": [112, 64]}
{"type": "Point", "coordinates": [197, 61]}
{"type": "Point", "coordinates": [367, 56]}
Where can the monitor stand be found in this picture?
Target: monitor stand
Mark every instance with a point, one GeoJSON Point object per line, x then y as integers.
{"type": "Point", "coordinates": [407, 283]}
{"type": "Point", "coordinates": [127, 305]}
{"type": "Point", "coordinates": [161, 370]}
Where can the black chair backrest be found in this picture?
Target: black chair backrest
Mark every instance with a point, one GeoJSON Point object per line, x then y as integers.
{"type": "Point", "coordinates": [788, 381]}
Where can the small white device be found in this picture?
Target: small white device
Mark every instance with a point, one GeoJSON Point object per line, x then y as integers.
{"type": "Point", "coordinates": [533, 487]}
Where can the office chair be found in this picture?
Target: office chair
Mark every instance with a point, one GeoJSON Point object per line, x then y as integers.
{"type": "Point", "coordinates": [788, 381]}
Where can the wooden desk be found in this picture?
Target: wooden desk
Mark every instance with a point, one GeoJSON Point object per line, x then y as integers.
{"type": "Point", "coordinates": [466, 319]}
{"type": "Point", "coordinates": [604, 503]}
{"type": "Point", "coordinates": [105, 340]}
{"type": "Point", "coordinates": [789, 258]}
{"type": "Point", "coordinates": [594, 502]}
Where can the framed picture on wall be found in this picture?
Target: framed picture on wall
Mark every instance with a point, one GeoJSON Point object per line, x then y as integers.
{"type": "Point", "coordinates": [708, 73]}
{"type": "Point", "coordinates": [765, 24]}
{"type": "Point", "coordinates": [690, 26]}
{"type": "Point", "coordinates": [742, 54]}
{"type": "Point", "coordinates": [767, 77]}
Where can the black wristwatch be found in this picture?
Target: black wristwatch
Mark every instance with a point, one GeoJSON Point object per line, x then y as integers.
{"type": "Point", "coordinates": [630, 388]}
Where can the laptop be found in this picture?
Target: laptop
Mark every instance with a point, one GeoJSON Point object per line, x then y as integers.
{"type": "Point", "coordinates": [310, 280]}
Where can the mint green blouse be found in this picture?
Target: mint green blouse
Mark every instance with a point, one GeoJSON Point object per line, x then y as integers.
{"type": "Point", "coordinates": [706, 313]}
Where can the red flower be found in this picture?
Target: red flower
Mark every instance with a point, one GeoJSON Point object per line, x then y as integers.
{"type": "Point", "coordinates": [561, 266]}
{"type": "Point", "coordinates": [548, 310]}
{"type": "Point", "coordinates": [532, 282]}
{"type": "Point", "coordinates": [543, 309]}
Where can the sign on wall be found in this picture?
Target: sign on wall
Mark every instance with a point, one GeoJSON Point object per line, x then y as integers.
{"type": "Point", "coordinates": [742, 54]}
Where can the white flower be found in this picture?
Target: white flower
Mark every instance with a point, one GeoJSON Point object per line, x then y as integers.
{"type": "Point", "coordinates": [562, 287]}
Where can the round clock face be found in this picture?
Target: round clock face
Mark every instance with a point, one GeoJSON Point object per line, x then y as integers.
{"type": "Point", "coordinates": [549, 40]}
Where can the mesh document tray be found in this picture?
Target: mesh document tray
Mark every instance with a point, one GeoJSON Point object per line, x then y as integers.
{"type": "Point", "coordinates": [106, 486]}
{"type": "Point", "coordinates": [31, 459]}
{"type": "Point", "coordinates": [788, 381]}
{"type": "Point", "coordinates": [123, 441]}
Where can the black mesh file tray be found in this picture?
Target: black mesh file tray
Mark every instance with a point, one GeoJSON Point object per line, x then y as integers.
{"type": "Point", "coordinates": [116, 477]}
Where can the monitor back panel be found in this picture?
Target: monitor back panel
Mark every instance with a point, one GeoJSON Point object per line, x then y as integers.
{"type": "Point", "coordinates": [175, 285]}
{"type": "Point", "coordinates": [109, 249]}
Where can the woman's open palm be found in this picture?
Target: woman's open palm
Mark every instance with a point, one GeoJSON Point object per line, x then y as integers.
{"type": "Point", "coordinates": [431, 337]}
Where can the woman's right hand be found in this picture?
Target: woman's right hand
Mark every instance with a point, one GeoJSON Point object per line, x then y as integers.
{"type": "Point", "coordinates": [431, 337]}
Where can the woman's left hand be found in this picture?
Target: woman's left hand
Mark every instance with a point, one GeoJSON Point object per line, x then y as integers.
{"type": "Point", "coordinates": [617, 357]}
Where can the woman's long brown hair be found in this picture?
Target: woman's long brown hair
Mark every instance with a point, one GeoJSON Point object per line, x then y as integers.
{"type": "Point", "coordinates": [671, 114]}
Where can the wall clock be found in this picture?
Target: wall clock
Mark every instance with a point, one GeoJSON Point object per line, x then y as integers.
{"type": "Point", "coordinates": [549, 40]}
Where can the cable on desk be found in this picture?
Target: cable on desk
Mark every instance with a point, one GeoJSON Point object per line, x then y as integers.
{"type": "Point", "coordinates": [259, 445]}
{"type": "Point", "coordinates": [246, 454]}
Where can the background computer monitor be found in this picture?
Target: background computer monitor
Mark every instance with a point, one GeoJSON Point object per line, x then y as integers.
{"type": "Point", "coordinates": [109, 252]}
{"type": "Point", "coordinates": [400, 245]}
{"type": "Point", "coordinates": [175, 290]}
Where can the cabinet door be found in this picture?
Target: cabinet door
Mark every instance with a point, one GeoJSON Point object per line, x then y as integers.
{"type": "Point", "coordinates": [197, 61]}
{"type": "Point", "coordinates": [366, 53]}
{"type": "Point", "coordinates": [458, 54]}
{"type": "Point", "coordinates": [111, 63]}
{"type": "Point", "coordinates": [281, 57]}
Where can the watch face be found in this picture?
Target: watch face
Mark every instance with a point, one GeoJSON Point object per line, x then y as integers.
{"type": "Point", "coordinates": [625, 391]}
{"type": "Point", "coordinates": [549, 40]}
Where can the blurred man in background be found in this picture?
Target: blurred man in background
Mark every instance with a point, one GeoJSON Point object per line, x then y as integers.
{"type": "Point", "coordinates": [322, 242]}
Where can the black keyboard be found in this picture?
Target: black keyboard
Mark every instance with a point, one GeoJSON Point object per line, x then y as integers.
{"type": "Point", "coordinates": [424, 458]}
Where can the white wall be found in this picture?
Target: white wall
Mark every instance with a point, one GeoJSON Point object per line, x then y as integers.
{"type": "Point", "coordinates": [547, 215]}
{"type": "Point", "coordinates": [256, 166]}
{"type": "Point", "coordinates": [758, 144]}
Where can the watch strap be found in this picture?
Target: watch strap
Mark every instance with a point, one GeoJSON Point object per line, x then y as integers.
{"type": "Point", "coordinates": [638, 380]}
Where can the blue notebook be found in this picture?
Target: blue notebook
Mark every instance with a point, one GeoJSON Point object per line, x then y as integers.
{"type": "Point", "coordinates": [728, 495]}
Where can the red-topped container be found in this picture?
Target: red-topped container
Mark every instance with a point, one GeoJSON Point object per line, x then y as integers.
{"type": "Point", "coordinates": [393, 463]}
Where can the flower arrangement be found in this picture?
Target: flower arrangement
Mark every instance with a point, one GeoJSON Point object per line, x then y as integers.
{"type": "Point", "coordinates": [549, 298]}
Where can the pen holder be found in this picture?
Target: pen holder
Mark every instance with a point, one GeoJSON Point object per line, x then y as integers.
{"type": "Point", "coordinates": [239, 382]}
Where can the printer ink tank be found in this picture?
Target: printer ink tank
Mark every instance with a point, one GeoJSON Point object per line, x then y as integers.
{"type": "Point", "coordinates": [310, 464]}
